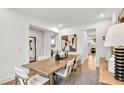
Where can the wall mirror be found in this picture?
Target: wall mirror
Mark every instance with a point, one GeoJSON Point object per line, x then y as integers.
{"type": "Point", "coordinates": [32, 49]}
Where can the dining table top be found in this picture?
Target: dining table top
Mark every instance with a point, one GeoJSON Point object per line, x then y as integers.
{"type": "Point", "coordinates": [49, 66]}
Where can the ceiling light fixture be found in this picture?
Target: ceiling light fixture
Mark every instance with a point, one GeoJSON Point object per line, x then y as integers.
{"type": "Point", "coordinates": [60, 25]}
{"type": "Point", "coordinates": [101, 15]}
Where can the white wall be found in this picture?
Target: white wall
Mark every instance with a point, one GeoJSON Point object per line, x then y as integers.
{"type": "Point", "coordinates": [39, 42]}
{"type": "Point", "coordinates": [85, 44]}
{"type": "Point", "coordinates": [14, 38]}
{"type": "Point", "coordinates": [47, 44]}
{"type": "Point", "coordinates": [101, 29]}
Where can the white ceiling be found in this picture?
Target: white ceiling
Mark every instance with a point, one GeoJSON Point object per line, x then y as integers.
{"type": "Point", "coordinates": [69, 16]}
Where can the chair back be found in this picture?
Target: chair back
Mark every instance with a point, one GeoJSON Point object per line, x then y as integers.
{"type": "Point", "coordinates": [69, 67]}
{"type": "Point", "coordinates": [76, 64]}
{"type": "Point", "coordinates": [78, 60]}
{"type": "Point", "coordinates": [22, 75]}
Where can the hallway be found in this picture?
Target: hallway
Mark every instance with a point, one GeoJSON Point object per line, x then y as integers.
{"type": "Point", "coordinates": [89, 71]}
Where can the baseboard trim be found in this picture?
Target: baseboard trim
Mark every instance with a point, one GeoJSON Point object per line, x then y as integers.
{"type": "Point", "coordinates": [7, 79]}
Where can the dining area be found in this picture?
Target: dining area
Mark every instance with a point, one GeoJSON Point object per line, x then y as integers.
{"type": "Point", "coordinates": [47, 71]}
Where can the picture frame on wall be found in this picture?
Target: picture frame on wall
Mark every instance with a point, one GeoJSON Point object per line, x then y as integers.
{"type": "Point", "coordinates": [69, 43]}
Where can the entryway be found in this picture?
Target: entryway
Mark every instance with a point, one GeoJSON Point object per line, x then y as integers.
{"type": "Point", "coordinates": [91, 40]}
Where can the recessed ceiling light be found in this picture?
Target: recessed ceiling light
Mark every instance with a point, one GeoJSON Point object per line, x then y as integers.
{"type": "Point", "coordinates": [101, 15]}
{"type": "Point", "coordinates": [60, 25]}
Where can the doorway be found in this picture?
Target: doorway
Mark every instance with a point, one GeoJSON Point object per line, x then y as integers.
{"type": "Point", "coordinates": [40, 42]}
{"type": "Point", "coordinates": [91, 36]}
{"type": "Point", "coordinates": [36, 43]}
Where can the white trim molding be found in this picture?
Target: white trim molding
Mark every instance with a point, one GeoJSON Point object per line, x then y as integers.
{"type": "Point", "coordinates": [7, 79]}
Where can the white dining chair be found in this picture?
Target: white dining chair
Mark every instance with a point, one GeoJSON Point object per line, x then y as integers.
{"type": "Point", "coordinates": [77, 63]}
{"type": "Point", "coordinates": [64, 73]}
{"type": "Point", "coordinates": [22, 75]}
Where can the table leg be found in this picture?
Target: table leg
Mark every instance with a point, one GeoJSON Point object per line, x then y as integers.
{"type": "Point", "coordinates": [51, 79]}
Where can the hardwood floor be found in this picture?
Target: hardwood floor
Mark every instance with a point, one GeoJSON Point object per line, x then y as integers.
{"type": "Point", "coordinates": [91, 62]}
{"type": "Point", "coordinates": [105, 76]}
{"type": "Point", "coordinates": [88, 76]}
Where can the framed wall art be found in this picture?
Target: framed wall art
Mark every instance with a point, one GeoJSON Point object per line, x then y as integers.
{"type": "Point", "coordinates": [69, 43]}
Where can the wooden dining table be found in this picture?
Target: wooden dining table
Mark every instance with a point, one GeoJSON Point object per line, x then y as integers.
{"type": "Point", "coordinates": [49, 66]}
